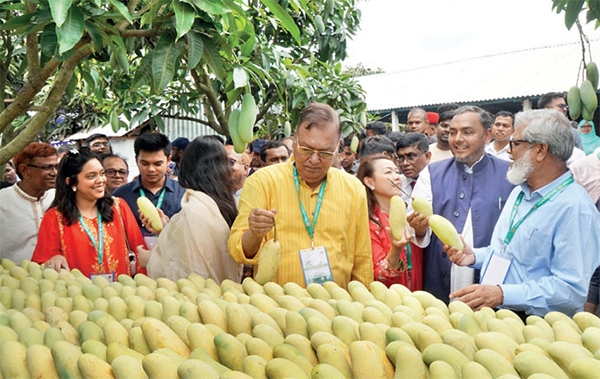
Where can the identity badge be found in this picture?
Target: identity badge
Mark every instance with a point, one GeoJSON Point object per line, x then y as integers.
{"type": "Point", "coordinates": [315, 264]}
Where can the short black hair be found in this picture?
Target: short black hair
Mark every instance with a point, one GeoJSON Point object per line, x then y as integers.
{"type": "Point", "coordinates": [505, 114]}
{"type": "Point", "coordinates": [445, 108]}
{"type": "Point", "coordinates": [152, 142]}
{"type": "Point", "coordinates": [87, 141]}
{"type": "Point", "coordinates": [272, 145]}
{"type": "Point", "coordinates": [394, 136]}
{"type": "Point", "coordinates": [547, 98]}
{"type": "Point", "coordinates": [377, 144]}
{"type": "Point", "coordinates": [447, 115]}
{"type": "Point", "coordinates": [377, 127]}
{"type": "Point", "coordinates": [412, 139]}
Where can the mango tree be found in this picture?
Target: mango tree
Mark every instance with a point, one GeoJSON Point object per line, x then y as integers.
{"type": "Point", "coordinates": [143, 58]}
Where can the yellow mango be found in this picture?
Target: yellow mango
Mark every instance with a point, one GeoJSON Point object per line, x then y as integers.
{"type": "Point", "coordinates": [149, 210]}
{"type": "Point", "coordinates": [397, 216]}
{"type": "Point", "coordinates": [422, 206]}
{"type": "Point", "coordinates": [268, 261]}
{"type": "Point", "coordinates": [445, 231]}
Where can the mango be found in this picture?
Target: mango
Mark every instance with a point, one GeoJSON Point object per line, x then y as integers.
{"type": "Point", "coordinates": [149, 210]}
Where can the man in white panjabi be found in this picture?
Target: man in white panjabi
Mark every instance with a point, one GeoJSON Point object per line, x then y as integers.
{"type": "Point", "coordinates": [22, 206]}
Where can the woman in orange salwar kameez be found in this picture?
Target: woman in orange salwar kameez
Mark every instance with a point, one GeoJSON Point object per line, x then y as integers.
{"type": "Point", "coordinates": [84, 228]}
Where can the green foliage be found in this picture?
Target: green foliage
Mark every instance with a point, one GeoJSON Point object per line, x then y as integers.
{"type": "Point", "coordinates": [149, 59]}
{"type": "Point", "coordinates": [573, 8]}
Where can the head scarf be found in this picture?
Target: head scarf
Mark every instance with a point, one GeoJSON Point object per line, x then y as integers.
{"type": "Point", "coordinates": [591, 141]}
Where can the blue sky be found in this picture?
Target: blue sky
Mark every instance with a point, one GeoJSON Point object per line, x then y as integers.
{"type": "Point", "coordinates": [401, 34]}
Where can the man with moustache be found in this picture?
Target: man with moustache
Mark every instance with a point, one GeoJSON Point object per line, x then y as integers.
{"type": "Point", "coordinates": [441, 149]}
{"type": "Point", "coordinates": [469, 189]}
{"type": "Point", "coordinates": [152, 156]}
{"type": "Point", "coordinates": [22, 206]}
{"type": "Point", "coordinates": [116, 170]}
{"type": "Point", "coordinates": [544, 248]}
{"type": "Point", "coordinates": [502, 129]}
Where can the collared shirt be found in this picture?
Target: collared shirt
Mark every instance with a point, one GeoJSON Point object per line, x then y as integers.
{"type": "Point", "coordinates": [437, 154]}
{"type": "Point", "coordinates": [171, 203]}
{"type": "Point", "coordinates": [21, 217]}
{"type": "Point", "coordinates": [407, 187]}
{"type": "Point", "coordinates": [342, 226]}
{"type": "Point", "coordinates": [554, 251]}
{"type": "Point", "coordinates": [502, 154]}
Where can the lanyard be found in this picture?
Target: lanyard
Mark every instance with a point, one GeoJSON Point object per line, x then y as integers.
{"type": "Point", "coordinates": [309, 228]}
{"type": "Point", "coordinates": [513, 227]}
{"type": "Point", "coordinates": [161, 197]}
{"type": "Point", "coordinates": [99, 246]}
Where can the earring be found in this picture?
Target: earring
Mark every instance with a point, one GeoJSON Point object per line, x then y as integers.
{"type": "Point", "coordinates": [372, 188]}
{"type": "Point", "coordinates": [74, 189]}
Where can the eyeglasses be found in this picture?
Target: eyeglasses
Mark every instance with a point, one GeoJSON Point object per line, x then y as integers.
{"type": "Point", "coordinates": [411, 158]}
{"type": "Point", "coordinates": [47, 168]}
{"type": "Point", "coordinates": [101, 144]}
{"type": "Point", "coordinates": [514, 142]}
{"type": "Point", "coordinates": [111, 172]}
{"type": "Point", "coordinates": [562, 106]}
{"type": "Point", "coordinates": [322, 154]}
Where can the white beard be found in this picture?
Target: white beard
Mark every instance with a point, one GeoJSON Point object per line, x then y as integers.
{"type": "Point", "coordinates": [520, 170]}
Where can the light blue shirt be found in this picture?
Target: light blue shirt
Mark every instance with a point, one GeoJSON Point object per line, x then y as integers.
{"type": "Point", "coordinates": [554, 252]}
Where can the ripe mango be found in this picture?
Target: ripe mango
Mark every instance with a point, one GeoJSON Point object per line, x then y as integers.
{"type": "Point", "coordinates": [149, 210]}
{"type": "Point", "coordinates": [397, 216]}
{"type": "Point", "coordinates": [445, 231]}
{"type": "Point", "coordinates": [268, 261]}
{"type": "Point", "coordinates": [422, 206]}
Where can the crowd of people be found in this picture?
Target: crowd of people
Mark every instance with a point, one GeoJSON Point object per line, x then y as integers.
{"type": "Point", "coordinates": [522, 190]}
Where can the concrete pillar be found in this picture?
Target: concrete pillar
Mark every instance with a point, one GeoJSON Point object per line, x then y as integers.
{"type": "Point", "coordinates": [395, 124]}
{"type": "Point", "coordinates": [527, 105]}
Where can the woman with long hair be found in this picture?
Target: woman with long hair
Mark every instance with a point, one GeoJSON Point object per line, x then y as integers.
{"type": "Point", "coordinates": [195, 239]}
{"type": "Point", "coordinates": [392, 261]}
{"type": "Point", "coordinates": [84, 227]}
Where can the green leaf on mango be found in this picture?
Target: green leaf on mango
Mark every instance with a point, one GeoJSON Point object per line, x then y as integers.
{"type": "Point", "coordinates": [60, 10]}
{"type": "Point", "coordinates": [71, 30]}
{"type": "Point", "coordinates": [184, 17]}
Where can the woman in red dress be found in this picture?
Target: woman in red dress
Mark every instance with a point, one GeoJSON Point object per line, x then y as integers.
{"type": "Point", "coordinates": [394, 261]}
{"type": "Point", "coordinates": [84, 227]}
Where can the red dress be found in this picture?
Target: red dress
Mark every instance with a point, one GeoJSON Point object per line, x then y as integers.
{"type": "Point", "coordinates": [381, 244]}
{"type": "Point", "coordinates": [56, 238]}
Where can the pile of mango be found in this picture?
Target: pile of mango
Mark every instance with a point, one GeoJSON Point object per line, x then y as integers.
{"type": "Point", "coordinates": [65, 325]}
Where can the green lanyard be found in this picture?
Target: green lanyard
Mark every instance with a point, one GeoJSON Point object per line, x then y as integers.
{"type": "Point", "coordinates": [513, 227]}
{"type": "Point", "coordinates": [161, 197]}
{"type": "Point", "coordinates": [409, 256]}
{"type": "Point", "coordinates": [99, 246]}
{"type": "Point", "coordinates": [309, 228]}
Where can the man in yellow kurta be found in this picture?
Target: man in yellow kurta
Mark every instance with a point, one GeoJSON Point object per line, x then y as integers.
{"type": "Point", "coordinates": [320, 213]}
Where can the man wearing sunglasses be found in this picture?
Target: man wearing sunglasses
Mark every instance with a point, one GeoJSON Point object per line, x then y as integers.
{"type": "Point", "coordinates": [23, 205]}
{"type": "Point", "coordinates": [544, 248]}
{"type": "Point", "coordinates": [318, 214]}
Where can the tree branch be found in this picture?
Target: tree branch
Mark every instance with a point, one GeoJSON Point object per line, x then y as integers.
{"type": "Point", "coordinates": [203, 82]}
{"type": "Point", "coordinates": [187, 118]}
{"type": "Point", "coordinates": [52, 102]}
{"type": "Point", "coordinates": [266, 107]}
{"type": "Point", "coordinates": [33, 59]}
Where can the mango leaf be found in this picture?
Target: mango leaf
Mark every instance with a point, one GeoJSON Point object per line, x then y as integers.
{"type": "Point", "coordinates": [158, 121]}
{"type": "Point", "coordinates": [286, 20]}
{"type": "Point", "coordinates": [71, 87]}
{"type": "Point", "coordinates": [166, 53]}
{"type": "Point", "coordinates": [240, 77]}
{"type": "Point", "coordinates": [48, 42]}
{"type": "Point", "coordinates": [143, 74]}
{"type": "Point", "coordinates": [122, 9]}
{"type": "Point", "coordinates": [60, 10]}
{"type": "Point", "coordinates": [573, 9]}
{"type": "Point", "coordinates": [212, 57]}
{"type": "Point", "coordinates": [95, 34]}
{"type": "Point", "coordinates": [301, 70]}
{"type": "Point", "coordinates": [71, 30]}
{"type": "Point", "coordinates": [195, 48]}
{"type": "Point", "coordinates": [89, 81]}
{"type": "Point", "coordinates": [17, 22]}
{"type": "Point", "coordinates": [210, 6]}
{"type": "Point", "coordinates": [184, 17]}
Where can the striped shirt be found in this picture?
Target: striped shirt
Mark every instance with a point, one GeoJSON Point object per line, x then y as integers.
{"type": "Point", "coordinates": [342, 225]}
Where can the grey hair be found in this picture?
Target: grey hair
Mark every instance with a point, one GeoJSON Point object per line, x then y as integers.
{"type": "Point", "coordinates": [550, 127]}
{"type": "Point", "coordinates": [485, 118]}
{"type": "Point", "coordinates": [418, 111]}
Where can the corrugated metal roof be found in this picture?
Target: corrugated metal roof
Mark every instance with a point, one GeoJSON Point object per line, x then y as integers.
{"type": "Point", "coordinates": [517, 74]}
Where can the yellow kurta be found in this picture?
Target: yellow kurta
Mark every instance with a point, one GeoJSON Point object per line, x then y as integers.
{"type": "Point", "coordinates": [342, 226]}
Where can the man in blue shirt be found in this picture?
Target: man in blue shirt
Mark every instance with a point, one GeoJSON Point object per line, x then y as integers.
{"type": "Point", "coordinates": [546, 243]}
{"type": "Point", "coordinates": [152, 156]}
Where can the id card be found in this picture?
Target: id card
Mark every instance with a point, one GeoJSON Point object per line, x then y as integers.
{"type": "Point", "coordinates": [496, 270]}
{"type": "Point", "coordinates": [315, 264]}
{"type": "Point", "coordinates": [110, 277]}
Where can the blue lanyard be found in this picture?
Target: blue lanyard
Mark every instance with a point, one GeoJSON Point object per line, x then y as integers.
{"type": "Point", "coordinates": [161, 197]}
{"type": "Point", "coordinates": [99, 246]}
{"type": "Point", "coordinates": [513, 214]}
{"type": "Point", "coordinates": [309, 228]}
